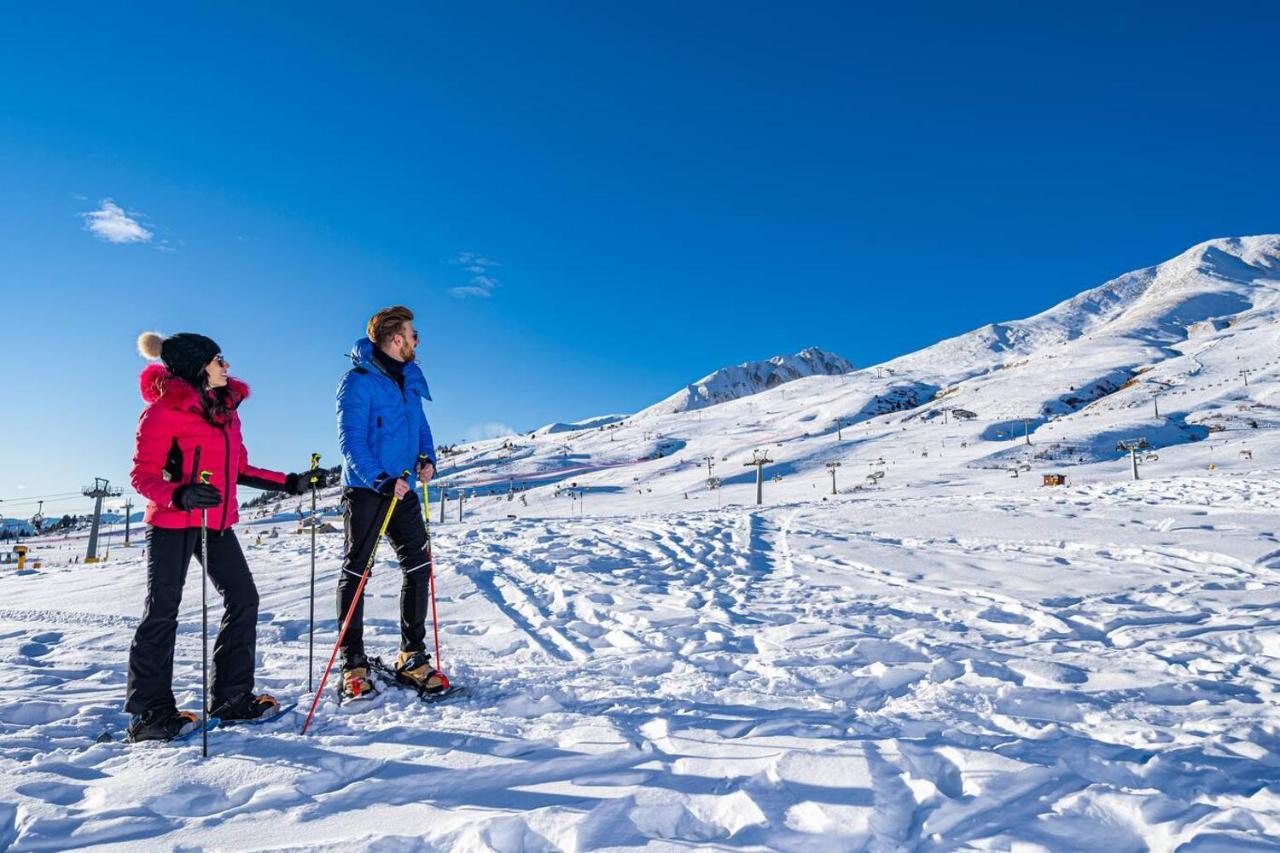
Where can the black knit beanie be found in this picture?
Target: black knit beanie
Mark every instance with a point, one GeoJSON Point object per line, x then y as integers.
{"type": "Point", "coordinates": [185, 354]}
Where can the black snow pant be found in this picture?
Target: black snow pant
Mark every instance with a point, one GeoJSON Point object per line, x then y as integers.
{"type": "Point", "coordinates": [150, 684]}
{"type": "Point", "coordinates": [362, 513]}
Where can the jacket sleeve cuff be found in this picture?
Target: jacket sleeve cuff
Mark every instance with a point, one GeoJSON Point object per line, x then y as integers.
{"type": "Point", "coordinates": [384, 483]}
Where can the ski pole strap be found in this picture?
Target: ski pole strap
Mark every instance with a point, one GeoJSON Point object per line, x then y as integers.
{"type": "Point", "coordinates": [386, 522]}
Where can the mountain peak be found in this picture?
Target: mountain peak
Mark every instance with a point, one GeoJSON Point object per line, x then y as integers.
{"type": "Point", "coordinates": [752, 377]}
{"type": "Point", "coordinates": [1212, 281]}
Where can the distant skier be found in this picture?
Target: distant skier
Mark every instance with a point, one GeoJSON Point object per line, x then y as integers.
{"type": "Point", "coordinates": [383, 432]}
{"type": "Point", "coordinates": [192, 412]}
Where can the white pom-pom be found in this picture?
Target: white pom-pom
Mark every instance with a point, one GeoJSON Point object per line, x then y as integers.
{"type": "Point", "coordinates": [149, 345]}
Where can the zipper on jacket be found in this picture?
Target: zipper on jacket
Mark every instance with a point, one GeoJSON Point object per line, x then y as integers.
{"type": "Point", "coordinates": [404, 392]}
{"type": "Point", "coordinates": [226, 481]}
{"type": "Point", "coordinates": [404, 397]}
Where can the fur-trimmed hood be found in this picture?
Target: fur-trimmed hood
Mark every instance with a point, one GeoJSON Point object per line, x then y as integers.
{"type": "Point", "coordinates": [158, 385]}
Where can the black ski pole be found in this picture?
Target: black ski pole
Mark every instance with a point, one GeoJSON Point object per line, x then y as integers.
{"type": "Point", "coordinates": [204, 623]}
{"type": "Point", "coordinates": [311, 639]}
{"type": "Point", "coordinates": [199, 476]}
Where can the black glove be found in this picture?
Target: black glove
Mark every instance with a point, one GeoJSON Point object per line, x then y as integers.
{"type": "Point", "coordinates": [196, 496]}
{"type": "Point", "coordinates": [300, 484]}
{"type": "Point", "coordinates": [385, 483]}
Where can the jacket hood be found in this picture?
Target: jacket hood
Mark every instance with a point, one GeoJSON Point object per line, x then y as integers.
{"type": "Point", "coordinates": [362, 356]}
{"type": "Point", "coordinates": [158, 385]}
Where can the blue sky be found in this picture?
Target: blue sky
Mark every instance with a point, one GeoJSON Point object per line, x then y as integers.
{"type": "Point", "coordinates": [655, 191]}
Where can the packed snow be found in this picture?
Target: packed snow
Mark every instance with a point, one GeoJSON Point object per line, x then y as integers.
{"type": "Point", "coordinates": [912, 644]}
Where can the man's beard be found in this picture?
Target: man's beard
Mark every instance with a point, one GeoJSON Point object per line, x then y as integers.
{"type": "Point", "coordinates": [407, 353]}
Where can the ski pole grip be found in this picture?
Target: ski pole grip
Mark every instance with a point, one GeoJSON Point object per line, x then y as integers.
{"type": "Point", "coordinates": [315, 464]}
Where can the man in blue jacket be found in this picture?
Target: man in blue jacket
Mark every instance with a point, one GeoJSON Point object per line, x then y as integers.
{"type": "Point", "coordinates": [383, 434]}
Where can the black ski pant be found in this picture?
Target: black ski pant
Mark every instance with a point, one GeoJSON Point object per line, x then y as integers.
{"type": "Point", "coordinates": [150, 684]}
{"type": "Point", "coordinates": [362, 513]}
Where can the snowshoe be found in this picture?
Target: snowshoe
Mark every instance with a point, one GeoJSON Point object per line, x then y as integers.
{"type": "Point", "coordinates": [429, 695]}
{"type": "Point", "coordinates": [163, 724]}
{"type": "Point", "coordinates": [356, 685]}
{"type": "Point", "coordinates": [415, 670]}
{"type": "Point", "coordinates": [248, 708]}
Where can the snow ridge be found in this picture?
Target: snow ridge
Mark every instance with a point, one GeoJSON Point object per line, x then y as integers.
{"type": "Point", "coordinates": [751, 377]}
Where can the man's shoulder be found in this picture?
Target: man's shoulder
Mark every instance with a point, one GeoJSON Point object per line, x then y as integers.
{"type": "Point", "coordinates": [356, 377]}
{"type": "Point", "coordinates": [354, 373]}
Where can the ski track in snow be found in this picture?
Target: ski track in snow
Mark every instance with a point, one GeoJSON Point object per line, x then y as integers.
{"type": "Point", "coordinates": [1094, 671]}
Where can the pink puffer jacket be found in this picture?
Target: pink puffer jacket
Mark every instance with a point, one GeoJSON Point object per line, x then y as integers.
{"type": "Point", "coordinates": [172, 431]}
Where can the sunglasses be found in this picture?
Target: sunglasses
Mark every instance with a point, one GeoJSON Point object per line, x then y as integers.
{"type": "Point", "coordinates": [222, 362]}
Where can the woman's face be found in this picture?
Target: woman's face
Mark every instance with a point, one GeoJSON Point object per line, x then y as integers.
{"type": "Point", "coordinates": [216, 370]}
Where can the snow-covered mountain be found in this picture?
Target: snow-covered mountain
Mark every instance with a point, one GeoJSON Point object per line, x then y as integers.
{"type": "Point", "coordinates": [1159, 306]}
{"type": "Point", "coordinates": [751, 377]}
{"type": "Point", "coordinates": [1060, 388]}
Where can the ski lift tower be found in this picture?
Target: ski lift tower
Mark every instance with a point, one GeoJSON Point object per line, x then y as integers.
{"type": "Point", "coordinates": [100, 489]}
{"type": "Point", "coordinates": [1132, 446]}
{"type": "Point", "coordinates": [761, 459]}
{"type": "Point", "coordinates": [1026, 429]}
{"type": "Point", "coordinates": [832, 466]}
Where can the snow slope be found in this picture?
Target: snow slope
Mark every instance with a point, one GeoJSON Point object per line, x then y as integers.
{"type": "Point", "coordinates": [940, 655]}
{"type": "Point", "coordinates": [907, 669]}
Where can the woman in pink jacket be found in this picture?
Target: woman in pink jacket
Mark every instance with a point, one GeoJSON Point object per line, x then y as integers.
{"type": "Point", "coordinates": [191, 424]}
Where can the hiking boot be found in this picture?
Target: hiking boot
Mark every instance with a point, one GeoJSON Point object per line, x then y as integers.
{"type": "Point", "coordinates": [247, 707]}
{"type": "Point", "coordinates": [356, 684]}
{"type": "Point", "coordinates": [162, 724]}
{"type": "Point", "coordinates": [415, 668]}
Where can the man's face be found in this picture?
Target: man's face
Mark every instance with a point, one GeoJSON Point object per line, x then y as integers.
{"type": "Point", "coordinates": [407, 341]}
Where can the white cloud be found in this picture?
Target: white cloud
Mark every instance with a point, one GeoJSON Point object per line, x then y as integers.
{"type": "Point", "coordinates": [474, 262]}
{"type": "Point", "coordinates": [489, 429]}
{"type": "Point", "coordinates": [482, 282]}
{"type": "Point", "coordinates": [111, 223]}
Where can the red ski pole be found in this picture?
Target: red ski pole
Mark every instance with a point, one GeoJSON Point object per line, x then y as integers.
{"type": "Point", "coordinates": [351, 611]}
{"type": "Point", "coordinates": [431, 578]}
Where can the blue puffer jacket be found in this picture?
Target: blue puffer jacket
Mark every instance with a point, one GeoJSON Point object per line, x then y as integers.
{"type": "Point", "coordinates": [381, 430]}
